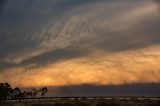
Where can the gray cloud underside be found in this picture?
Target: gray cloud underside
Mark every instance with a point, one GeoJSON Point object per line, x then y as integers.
{"type": "Point", "coordinates": [112, 90]}
{"type": "Point", "coordinates": [46, 31]}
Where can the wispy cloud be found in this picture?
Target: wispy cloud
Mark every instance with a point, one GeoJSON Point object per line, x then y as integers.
{"type": "Point", "coordinates": [61, 42]}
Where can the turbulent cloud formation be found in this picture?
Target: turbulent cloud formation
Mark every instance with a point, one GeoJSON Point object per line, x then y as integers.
{"type": "Point", "coordinates": [74, 42]}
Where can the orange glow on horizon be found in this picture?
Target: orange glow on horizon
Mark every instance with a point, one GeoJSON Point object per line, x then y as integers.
{"type": "Point", "coordinates": [112, 69]}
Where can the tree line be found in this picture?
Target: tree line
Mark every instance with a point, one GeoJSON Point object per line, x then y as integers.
{"type": "Point", "coordinates": [9, 93]}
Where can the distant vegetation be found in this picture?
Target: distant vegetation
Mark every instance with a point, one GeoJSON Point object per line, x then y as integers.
{"type": "Point", "coordinates": [9, 93]}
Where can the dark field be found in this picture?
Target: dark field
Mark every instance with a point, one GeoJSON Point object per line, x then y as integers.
{"type": "Point", "coordinates": [85, 102]}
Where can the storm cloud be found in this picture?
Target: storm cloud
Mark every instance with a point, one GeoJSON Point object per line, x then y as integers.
{"type": "Point", "coordinates": [31, 29]}
{"type": "Point", "coordinates": [45, 40]}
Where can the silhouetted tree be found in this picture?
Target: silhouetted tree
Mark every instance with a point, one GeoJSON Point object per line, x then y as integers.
{"type": "Point", "coordinates": [16, 93]}
{"type": "Point", "coordinates": [5, 90]}
{"type": "Point", "coordinates": [29, 94]}
{"type": "Point", "coordinates": [43, 91]}
{"type": "Point", "coordinates": [35, 91]}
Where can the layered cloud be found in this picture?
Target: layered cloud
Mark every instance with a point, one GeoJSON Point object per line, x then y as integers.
{"type": "Point", "coordinates": [120, 68]}
{"type": "Point", "coordinates": [74, 42]}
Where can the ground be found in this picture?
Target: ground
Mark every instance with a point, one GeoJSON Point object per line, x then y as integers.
{"type": "Point", "coordinates": [85, 102]}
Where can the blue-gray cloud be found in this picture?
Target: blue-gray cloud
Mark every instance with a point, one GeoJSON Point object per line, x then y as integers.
{"type": "Point", "coordinates": [38, 31]}
{"type": "Point", "coordinates": [112, 90]}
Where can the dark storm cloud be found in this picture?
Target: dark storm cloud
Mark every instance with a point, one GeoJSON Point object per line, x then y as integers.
{"type": "Point", "coordinates": [25, 26]}
{"type": "Point", "coordinates": [39, 8]}
{"type": "Point", "coordinates": [2, 2]}
{"type": "Point", "coordinates": [20, 21]}
{"type": "Point", "coordinates": [20, 17]}
{"type": "Point", "coordinates": [110, 90]}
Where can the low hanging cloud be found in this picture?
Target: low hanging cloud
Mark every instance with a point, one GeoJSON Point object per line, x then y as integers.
{"type": "Point", "coordinates": [61, 42]}
{"type": "Point", "coordinates": [112, 90]}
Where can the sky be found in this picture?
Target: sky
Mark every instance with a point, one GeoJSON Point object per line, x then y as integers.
{"type": "Point", "coordinates": [98, 47]}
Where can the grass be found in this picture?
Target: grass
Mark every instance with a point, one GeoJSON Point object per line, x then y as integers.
{"type": "Point", "coordinates": [84, 102]}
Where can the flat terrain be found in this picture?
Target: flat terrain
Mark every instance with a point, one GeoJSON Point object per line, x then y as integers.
{"type": "Point", "coordinates": [84, 102]}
